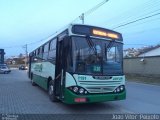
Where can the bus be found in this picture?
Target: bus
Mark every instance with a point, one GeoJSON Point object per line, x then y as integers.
{"type": "Point", "coordinates": [81, 64]}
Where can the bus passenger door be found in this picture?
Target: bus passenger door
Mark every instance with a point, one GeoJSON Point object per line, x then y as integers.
{"type": "Point", "coordinates": [60, 68]}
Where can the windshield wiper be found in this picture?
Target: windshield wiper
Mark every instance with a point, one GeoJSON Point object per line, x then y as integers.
{"type": "Point", "coordinates": [91, 45]}
{"type": "Point", "coordinates": [110, 44]}
{"type": "Point", "coordinates": [94, 49]}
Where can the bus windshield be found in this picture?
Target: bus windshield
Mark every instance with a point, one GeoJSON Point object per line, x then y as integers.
{"type": "Point", "coordinates": [96, 56]}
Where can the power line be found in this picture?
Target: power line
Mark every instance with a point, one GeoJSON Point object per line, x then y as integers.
{"type": "Point", "coordinates": [95, 8]}
{"type": "Point", "coordinates": [131, 22]}
{"type": "Point", "coordinates": [141, 23]}
{"type": "Point", "coordinates": [85, 14]}
{"type": "Point", "coordinates": [126, 14]}
{"type": "Point", "coordinates": [81, 17]}
{"type": "Point", "coordinates": [50, 36]}
{"type": "Point", "coordinates": [132, 13]}
{"type": "Point", "coordinates": [141, 16]}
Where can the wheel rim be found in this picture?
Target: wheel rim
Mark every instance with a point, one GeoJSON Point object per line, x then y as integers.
{"type": "Point", "coordinates": [50, 89]}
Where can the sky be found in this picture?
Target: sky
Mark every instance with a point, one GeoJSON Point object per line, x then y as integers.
{"type": "Point", "coordinates": [28, 21]}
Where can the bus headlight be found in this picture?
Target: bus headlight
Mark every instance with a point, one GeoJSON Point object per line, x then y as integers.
{"type": "Point", "coordinates": [81, 90]}
{"type": "Point", "coordinates": [119, 89]}
{"type": "Point", "coordinates": [75, 89]}
{"type": "Point", "coordinates": [78, 90]}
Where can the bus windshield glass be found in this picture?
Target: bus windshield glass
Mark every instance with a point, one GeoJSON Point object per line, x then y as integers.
{"type": "Point", "coordinates": [96, 56]}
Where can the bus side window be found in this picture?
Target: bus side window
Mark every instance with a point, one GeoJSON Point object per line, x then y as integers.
{"type": "Point", "coordinates": [35, 53]}
{"type": "Point", "coordinates": [42, 51]}
{"type": "Point", "coordinates": [39, 53]}
{"type": "Point", "coordinates": [52, 50]}
{"type": "Point", "coordinates": [45, 53]}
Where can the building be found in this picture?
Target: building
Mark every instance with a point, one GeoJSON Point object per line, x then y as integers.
{"type": "Point", "coordinates": [2, 56]}
{"type": "Point", "coordinates": [153, 51]}
{"type": "Point", "coordinates": [130, 52]}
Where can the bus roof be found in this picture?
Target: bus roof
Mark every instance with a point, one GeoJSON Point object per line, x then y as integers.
{"type": "Point", "coordinates": [82, 29]}
{"type": "Point", "coordinates": [94, 31]}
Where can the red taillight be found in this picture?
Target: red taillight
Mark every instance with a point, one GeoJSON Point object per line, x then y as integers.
{"type": "Point", "coordinates": [80, 100]}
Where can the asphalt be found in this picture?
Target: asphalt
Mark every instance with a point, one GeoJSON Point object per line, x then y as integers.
{"type": "Point", "coordinates": [18, 96]}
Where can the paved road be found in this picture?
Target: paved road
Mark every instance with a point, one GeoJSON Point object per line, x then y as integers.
{"type": "Point", "coordinates": [17, 95]}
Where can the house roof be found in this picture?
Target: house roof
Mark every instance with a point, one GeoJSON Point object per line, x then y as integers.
{"type": "Point", "coordinates": [148, 49]}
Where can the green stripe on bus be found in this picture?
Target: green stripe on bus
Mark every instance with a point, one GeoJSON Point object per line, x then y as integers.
{"type": "Point", "coordinates": [69, 97]}
{"type": "Point", "coordinates": [41, 81]}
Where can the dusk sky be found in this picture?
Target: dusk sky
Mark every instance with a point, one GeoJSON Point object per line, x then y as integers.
{"type": "Point", "coordinates": [27, 21]}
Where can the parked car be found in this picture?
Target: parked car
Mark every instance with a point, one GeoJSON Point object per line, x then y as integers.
{"type": "Point", "coordinates": [23, 67]}
{"type": "Point", "coordinates": [4, 69]}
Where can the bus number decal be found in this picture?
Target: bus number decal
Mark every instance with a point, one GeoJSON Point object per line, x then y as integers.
{"type": "Point", "coordinates": [81, 78]}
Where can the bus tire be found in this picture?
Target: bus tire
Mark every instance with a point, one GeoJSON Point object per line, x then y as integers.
{"type": "Point", "coordinates": [51, 92]}
{"type": "Point", "coordinates": [33, 83]}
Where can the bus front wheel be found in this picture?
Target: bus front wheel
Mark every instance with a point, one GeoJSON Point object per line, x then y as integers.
{"type": "Point", "coordinates": [51, 92]}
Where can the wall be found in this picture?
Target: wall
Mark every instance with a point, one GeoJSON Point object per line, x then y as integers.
{"type": "Point", "coordinates": [147, 66]}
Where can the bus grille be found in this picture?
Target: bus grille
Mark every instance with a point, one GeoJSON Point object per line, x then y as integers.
{"type": "Point", "coordinates": [99, 86]}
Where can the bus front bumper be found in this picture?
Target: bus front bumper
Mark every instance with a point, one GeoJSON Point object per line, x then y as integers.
{"type": "Point", "coordinates": [71, 98]}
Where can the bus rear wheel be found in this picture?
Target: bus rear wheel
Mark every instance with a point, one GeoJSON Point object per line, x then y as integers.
{"type": "Point", "coordinates": [51, 92]}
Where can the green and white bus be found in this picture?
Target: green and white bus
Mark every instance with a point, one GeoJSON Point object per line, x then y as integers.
{"type": "Point", "coordinates": [82, 64]}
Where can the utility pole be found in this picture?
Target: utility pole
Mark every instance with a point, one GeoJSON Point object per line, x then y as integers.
{"type": "Point", "coordinates": [82, 18]}
{"type": "Point", "coordinates": [26, 52]}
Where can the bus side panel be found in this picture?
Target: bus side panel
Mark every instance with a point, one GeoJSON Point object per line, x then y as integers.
{"type": "Point", "coordinates": [41, 81]}
{"type": "Point", "coordinates": [44, 71]}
